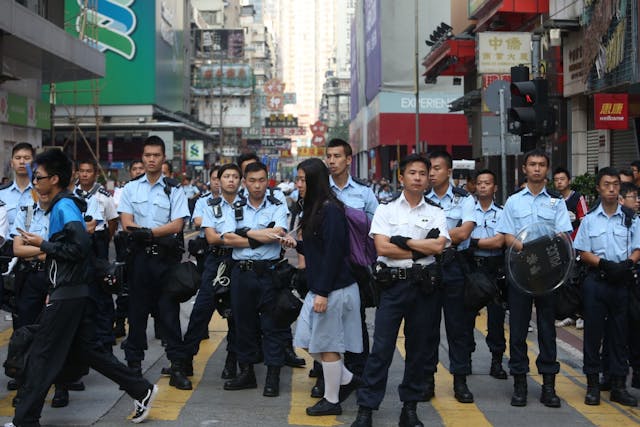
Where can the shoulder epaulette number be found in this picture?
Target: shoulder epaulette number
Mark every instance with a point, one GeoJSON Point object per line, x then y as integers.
{"type": "Point", "coordinates": [171, 182]}
{"type": "Point", "coordinates": [104, 191]}
{"type": "Point", "coordinates": [431, 202]}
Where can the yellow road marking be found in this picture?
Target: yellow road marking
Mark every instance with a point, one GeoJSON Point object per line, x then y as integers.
{"type": "Point", "coordinates": [300, 399]}
{"type": "Point", "coordinates": [452, 412]}
{"type": "Point", "coordinates": [605, 414]}
{"type": "Point", "coordinates": [170, 401]}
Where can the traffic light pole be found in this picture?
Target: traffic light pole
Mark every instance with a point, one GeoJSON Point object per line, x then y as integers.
{"type": "Point", "coordinates": [503, 148]}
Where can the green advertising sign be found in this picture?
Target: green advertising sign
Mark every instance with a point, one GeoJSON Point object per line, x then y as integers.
{"type": "Point", "coordinates": [132, 35]}
{"type": "Point", "coordinates": [22, 111]}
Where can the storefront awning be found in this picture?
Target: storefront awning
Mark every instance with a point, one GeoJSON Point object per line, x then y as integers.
{"type": "Point", "coordinates": [508, 15]}
{"type": "Point", "coordinates": [453, 57]}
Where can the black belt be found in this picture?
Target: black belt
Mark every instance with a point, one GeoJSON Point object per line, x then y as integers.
{"type": "Point", "coordinates": [32, 265]}
{"type": "Point", "coordinates": [400, 273]}
{"type": "Point", "coordinates": [256, 265]}
{"type": "Point", "coordinates": [219, 251]}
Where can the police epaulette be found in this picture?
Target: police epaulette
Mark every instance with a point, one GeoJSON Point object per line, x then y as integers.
{"type": "Point", "coordinates": [2, 203]}
{"type": "Point", "coordinates": [359, 181]}
{"type": "Point", "coordinates": [104, 191]}
{"type": "Point", "coordinates": [6, 185]}
{"type": "Point", "coordinates": [137, 177]}
{"type": "Point", "coordinates": [596, 203]}
{"type": "Point", "coordinates": [214, 201]}
{"type": "Point", "coordinates": [498, 205]}
{"type": "Point", "coordinates": [517, 191]}
{"type": "Point", "coordinates": [460, 192]}
{"type": "Point", "coordinates": [171, 182]}
{"type": "Point", "coordinates": [207, 194]}
{"type": "Point", "coordinates": [431, 202]}
{"type": "Point", "coordinates": [393, 198]}
{"type": "Point", "coordinates": [554, 193]}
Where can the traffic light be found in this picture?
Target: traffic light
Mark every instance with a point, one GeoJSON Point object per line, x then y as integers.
{"type": "Point", "coordinates": [530, 112]}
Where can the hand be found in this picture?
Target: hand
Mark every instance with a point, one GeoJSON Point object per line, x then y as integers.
{"type": "Point", "coordinates": [401, 242]}
{"type": "Point", "coordinates": [320, 304]}
{"type": "Point", "coordinates": [434, 233]}
{"type": "Point", "coordinates": [242, 232]}
{"type": "Point", "coordinates": [91, 226]}
{"type": "Point", "coordinates": [288, 242]}
{"type": "Point", "coordinates": [141, 234]}
{"type": "Point", "coordinates": [31, 239]}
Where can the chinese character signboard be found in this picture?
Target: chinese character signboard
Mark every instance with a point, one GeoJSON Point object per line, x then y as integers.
{"type": "Point", "coordinates": [611, 110]}
{"type": "Point", "coordinates": [281, 121]}
{"type": "Point", "coordinates": [499, 51]}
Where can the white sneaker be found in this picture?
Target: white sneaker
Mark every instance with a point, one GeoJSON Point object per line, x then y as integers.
{"type": "Point", "coordinates": [9, 425]}
{"type": "Point", "coordinates": [564, 322]}
{"type": "Point", "coordinates": [580, 324]}
{"type": "Point", "coordinates": [142, 407]}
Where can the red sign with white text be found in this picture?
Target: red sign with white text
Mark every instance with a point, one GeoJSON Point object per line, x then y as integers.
{"type": "Point", "coordinates": [611, 110]}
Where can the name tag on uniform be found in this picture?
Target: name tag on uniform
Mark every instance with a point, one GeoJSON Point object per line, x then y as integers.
{"type": "Point", "coordinates": [424, 222]}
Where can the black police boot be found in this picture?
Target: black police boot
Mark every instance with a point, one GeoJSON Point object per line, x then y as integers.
{"type": "Point", "coordinates": [409, 416]}
{"type": "Point", "coordinates": [460, 389]}
{"type": "Point", "coordinates": [363, 419]}
{"type": "Point", "coordinates": [619, 392]}
{"type": "Point", "coordinates": [496, 367]}
{"type": "Point", "coordinates": [548, 397]}
{"type": "Point", "coordinates": [60, 398]}
{"type": "Point", "coordinates": [272, 383]}
{"type": "Point", "coordinates": [12, 385]}
{"type": "Point", "coordinates": [291, 358]}
{"type": "Point", "coordinates": [317, 390]}
{"type": "Point", "coordinates": [324, 407]}
{"type": "Point", "coordinates": [519, 397]}
{"type": "Point", "coordinates": [635, 379]}
{"type": "Point", "coordinates": [245, 379]}
{"type": "Point", "coordinates": [430, 391]}
{"type": "Point", "coordinates": [136, 365]}
{"type": "Point", "coordinates": [593, 390]}
{"type": "Point", "coordinates": [605, 382]}
{"type": "Point", "coordinates": [317, 367]}
{"type": "Point", "coordinates": [118, 328]}
{"type": "Point", "coordinates": [179, 378]}
{"type": "Point", "coordinates": [230, 363]}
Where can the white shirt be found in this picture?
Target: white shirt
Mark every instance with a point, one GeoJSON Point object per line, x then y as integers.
{"type": "Point", "coordinates": [398, 218]}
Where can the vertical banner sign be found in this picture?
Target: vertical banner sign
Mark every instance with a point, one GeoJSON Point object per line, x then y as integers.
{"type": "Point", "coordinates": [611, 110]}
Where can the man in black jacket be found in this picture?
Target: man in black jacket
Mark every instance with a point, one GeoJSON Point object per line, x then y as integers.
{"type": "Point", "coordinates": [66, 328]}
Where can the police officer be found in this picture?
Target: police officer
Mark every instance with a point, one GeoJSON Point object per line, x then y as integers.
{"type": "Point", "coordinates": [216, 211]}
{"type": "Point", "coordinates": [459, 208]}
{"type": "Point", "coordinates": [290, 357]}
{"type": "Point", "coordinates": [534, 203]}
{"type": "Point", "coordinates": [487, 255]}
{"type": "Point", "coordinates": [408, 231]}
{"type": "Point", "coordinates": [101, 207]}
{"type": "Point", "coordinates": [203, 201]}
{"type": "Point", "coordinates": [153, 209]}
{"type": "Point", "coordinates": [609, 243]}
{"type": "Point", "coordinates": [256, 250]}
{"type": "Point", "coordinates": [355, 194]}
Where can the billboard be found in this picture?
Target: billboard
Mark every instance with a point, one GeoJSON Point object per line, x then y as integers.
{"type": "Point", "coordinates": [143, 43]}
{"type": "Point", "coordinates": [499, 51]}
{"type": "Point", "coordinates": [220, 43]}
{"type": "Point", "coordinates": [373, 49]}
{"type": "Point", "coordinates": [236, 112]}
{"type": "Point", "coordinates": [230, 79]}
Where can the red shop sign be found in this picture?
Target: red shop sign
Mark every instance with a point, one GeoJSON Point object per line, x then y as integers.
{"type": "Point", "coordinates": [611, 110]}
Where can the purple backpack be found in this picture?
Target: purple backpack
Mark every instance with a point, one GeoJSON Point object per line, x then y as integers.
{"type": "Point", "coordinates": [362, 249]}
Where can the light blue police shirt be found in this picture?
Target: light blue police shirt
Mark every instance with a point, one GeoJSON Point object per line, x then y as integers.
{"type": "Point", "coordinates": [523, 208]}
{"type": "Point", "coordinates": [486, 222]}
{"type": "Point", "coordinates": [199, 208]}
{"type": "Point", "coordinates": [356, 196]}
{"type": "Point", "coordinates": [257, 219]}
{"type": "Point", "coordinates": [13, 197]}
{"type": "Point", "coordinates": [150, 205]}
{"type": "Point", "coordinates": [607, 237]}
{"type": "Point", "coordinates": [39, 222]}
{"type": "Point", "coordinates": [457, 208]}
{"type": "Point", "coordinates": [209, 219]}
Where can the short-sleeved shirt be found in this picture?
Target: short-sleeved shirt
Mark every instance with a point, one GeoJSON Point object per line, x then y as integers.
{"type": "Point", "coordinates": [398, 218]}
{"type": "Point", "coordinates": [523, 208]}
{"type": "Point", "coordinates": [199, 208]}
{"type": "Point", "coordinates": [356, 196]}
{"type": "Point", "coordinates": [486, 222]}
{"type": "Point", "coordinates": [100, 206]}
{"type": "Point", "coordinates": [13, 198]}
{"type": "Point", "coordinates": [257, 219]}
{"type": "Point", "coordinates": [150, 205]}
{"type": "Point", "coordinates": [608, 237]}
{"type": "Point", "coordinates": [39, 222]}
{"type": "Point", "coordinates": [209, 219]}
{"type": "Point", "coordinates": [457, 208]}
{"type": "Point", "coordinates": [190, 190]}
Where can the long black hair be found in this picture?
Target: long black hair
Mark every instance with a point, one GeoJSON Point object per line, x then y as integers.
{"type": "Point", "coordinates": [317, 194]}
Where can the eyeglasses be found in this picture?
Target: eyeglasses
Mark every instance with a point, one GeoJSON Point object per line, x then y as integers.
{"type": "Point", "coordinates": [37, 178]}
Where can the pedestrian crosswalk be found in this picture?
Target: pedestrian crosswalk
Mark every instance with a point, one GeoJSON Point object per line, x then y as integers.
{"type": "Point", "coordinates": [491, 406]}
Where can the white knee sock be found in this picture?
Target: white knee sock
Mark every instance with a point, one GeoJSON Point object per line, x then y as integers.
{"type": "Point", "coordinates": [332, 376]}
{"type": "Point", "coordinates": [347, 375]}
